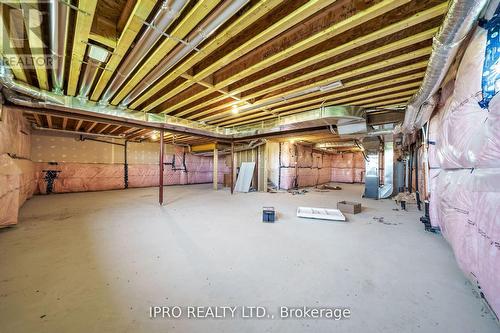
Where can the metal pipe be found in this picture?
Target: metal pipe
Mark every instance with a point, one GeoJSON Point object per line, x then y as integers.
{"type": "Point", "coordinates": [160, 187]}
{"type": "Point", "coordinates": [232, 167]}
{"type": "Point", "coordinates": [460, 20]}
{"type": "Point", "coordinates": [161, 21]}
{"type": "Point", "coordinates": [207, 28]}
{"type": "Point", "coordinates": [58, 13]}
{"type": "Point", "coordinates": [88, 78]}
{"type": "Point", "coordinates": [7, 80]}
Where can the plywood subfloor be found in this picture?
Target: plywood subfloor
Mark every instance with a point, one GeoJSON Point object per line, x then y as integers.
{"type": "Point", "coordinates": [96, 262]}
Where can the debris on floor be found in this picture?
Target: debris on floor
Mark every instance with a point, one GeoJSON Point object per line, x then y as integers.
{"type": "Point", "coordinates": [327, 187]}
{"type": "Point", "coordinates": [320, 213]}
{"type": "Point", "coordinates": [349, 207]}
{"type": "Point", "coordinates": [381, 220]}
{"type": "Point", "coordinates": [295, 192]}
{"type": "Point", "coordinates": [406, 197]}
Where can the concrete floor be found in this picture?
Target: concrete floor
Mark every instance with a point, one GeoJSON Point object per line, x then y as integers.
{"type": "Point", "coordinates": [96, 262]}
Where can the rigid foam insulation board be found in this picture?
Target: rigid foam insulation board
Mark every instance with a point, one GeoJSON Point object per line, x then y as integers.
{"type": "Point", "coordinates": [320, 213]}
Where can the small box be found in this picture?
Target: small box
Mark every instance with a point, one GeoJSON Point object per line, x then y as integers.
{"type": "Point", "coordinates": [349, 207]}
{"type": "Point", "coordinates": [268, 214]}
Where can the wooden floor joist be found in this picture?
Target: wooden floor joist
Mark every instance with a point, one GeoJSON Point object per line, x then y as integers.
{"type": "Point", "coordinates": [269, 58]}
{"type": "Point", "coordinates": [334, 30]}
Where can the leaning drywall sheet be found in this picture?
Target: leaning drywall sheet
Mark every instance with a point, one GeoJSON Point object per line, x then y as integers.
{"type": "Point", "coordinates": [245, 177]}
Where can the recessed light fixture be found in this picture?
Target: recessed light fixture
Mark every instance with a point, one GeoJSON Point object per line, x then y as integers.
{"type": "Point", "coordinates": [235, 109]}
{"type": "Point", "coordinates": [154, 136]}
{"type": "Point", "coordinates": [98, 53]}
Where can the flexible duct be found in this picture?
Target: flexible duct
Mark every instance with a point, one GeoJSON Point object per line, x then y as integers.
{"type": "Point", "coordinates": [58, 33]}
{"type": "Point", "coordinates": [162, 20]}
{"type": "Point", "coordinates": [461, 18]}
{"type": "Point", "coordinates": [208, 27]}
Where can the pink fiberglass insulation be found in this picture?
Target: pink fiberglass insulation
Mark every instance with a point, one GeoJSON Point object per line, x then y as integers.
{"type": "Point", "coordinates": [15, 133]}
{"type": "Point", "coordinates": [17, 184]}
{"type": "Point", "coordinates": [469, 135]}
{"type": "Point", "coordinates": [80, 177]}
{"type": "Point", "coordinates": [359, 175]}
{"type": "Point", "coordinates": [468, 212]}
{"type": "Point", "coordinates": [287, 178]}
{"type": "Point", "coordinates": [464, 160]}
{"type": "Point", "coordinates": [343, 175]}
{"type": "Point", "coordinates": [348, 168]}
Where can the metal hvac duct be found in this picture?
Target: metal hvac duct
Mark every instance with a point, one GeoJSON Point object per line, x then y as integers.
{"type": "Point", "coordinates": [386, 190]}
{"type": "Point", "coordinates": [88, 77]}
{"type": "Point", "coordinates": [208, 27]}
{"type": "Point", "coordinates": [161, 21]}
{"type": "Point", "coordinates": [373, 146]}
{"type": "Point", "coordinates": [461, 18]}
{"type": "Point", "coordinates": [58, 12]}
{"type": "Point", "coordinates": [7, 80]}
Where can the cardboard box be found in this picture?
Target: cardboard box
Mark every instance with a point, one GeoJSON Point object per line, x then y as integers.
{"type": "Point", "coordinates": [349, 207]}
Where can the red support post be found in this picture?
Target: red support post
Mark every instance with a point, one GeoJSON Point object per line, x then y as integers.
{"type": "Point", "coordinates": [161, 167]}
{"type": "Point", "coordinates": [232, 167]}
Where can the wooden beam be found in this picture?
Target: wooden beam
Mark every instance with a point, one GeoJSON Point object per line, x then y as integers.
{"type": "Point", "coordinates": [33, 23]}
{"type": "Point", "coordinates": [78, 125]}
{"type": "Point", "coordinates": [49, 121]}
{"type": "Point", "coordinates": [204, 147]}
{"type": "Point", "coordinates": [362, 102]}
{"type": "Point", "coordinates": [308, 9]}
{"type": "Point", "coordinates": [84, 18]}
{"type": "Point", "coordinates": [336, 29]}
{"type": "Point", "coordinates": [358, 71]}
{"type": "Point", "coordinates": [249, 17]}
{"type": "Point", "coordinates": [385, 104]}
{"type": "Point", "coordinates": [104, 128]}
{"type": "Point", "coordinates": [196, 14]}
{"type": "Point", "coordinates": [126, 14]}
{"type": "Point", "coordinates": [7, 52]}
{"type": "Point", "coordinates": [108, 41]}
{"type": "Point", "coordinates": [134, 24]}
{"type": "Point", "coordinates": [325, 70]}
{"type": "Point", "coordinates": [296, 103]}
{"type": "Point", "coordinates": [91, 127]}
{"type": "Point", "coordinates": [37, 119]}
{"type": "Point", "coordinates": [64, 123]}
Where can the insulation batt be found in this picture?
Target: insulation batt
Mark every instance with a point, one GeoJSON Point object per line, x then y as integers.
{"type": "Point", "coordinates": [17, 184]}
{"type": "Point", "coordinates": [464, 161]}
{"type": "Point", "coordinates": [314, 168]}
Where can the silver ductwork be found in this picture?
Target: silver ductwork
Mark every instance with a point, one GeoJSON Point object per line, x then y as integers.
{"type": "Point", "coordinates": [58, 35]}
{"type": "Point", "coordinates": [88, 77]}
{"type": "Point", "coordinates": [460, 20]}
{"type": "Point", "coordinates": [208, 27]}
{"type": "Point", "coordinates": [7, 80]}
{"type": "Point", "coordinates": [386, 190]}
{"type": "Point", "coordinates": [162, 20]}
{"type": "Point", "coordinates": [374, 149]}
